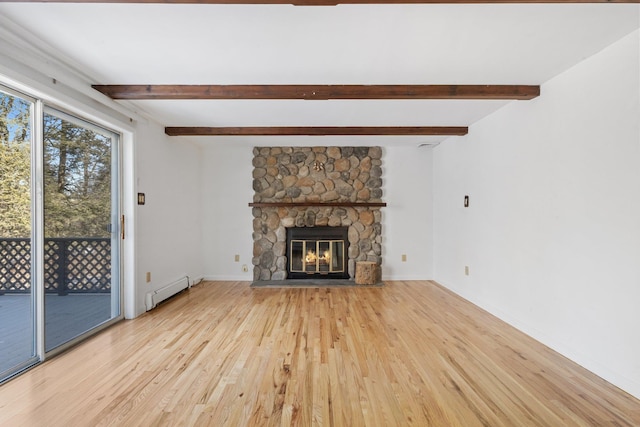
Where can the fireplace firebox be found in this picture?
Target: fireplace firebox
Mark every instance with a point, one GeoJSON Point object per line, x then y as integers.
{"type": "Point", "coordinates": [317, 252]}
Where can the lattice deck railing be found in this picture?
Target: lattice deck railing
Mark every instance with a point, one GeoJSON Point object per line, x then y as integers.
{"type": "Point", "coordinates": [71, 265]}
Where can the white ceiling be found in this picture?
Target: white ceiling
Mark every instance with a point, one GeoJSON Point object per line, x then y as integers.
{"type": "Point", "coordinates": [346, 44]}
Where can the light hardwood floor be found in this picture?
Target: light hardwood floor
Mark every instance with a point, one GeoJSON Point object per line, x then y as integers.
{"type": "Point", "coordinates": [224, 354]}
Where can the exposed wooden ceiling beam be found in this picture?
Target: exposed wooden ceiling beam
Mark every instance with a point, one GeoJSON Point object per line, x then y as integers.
{"type": "Point", "coordinates": [318, 131]}
{"type": "Point", "coordinates": [319, 92]}
{"type": "Point", "coordinates": [326, 2]}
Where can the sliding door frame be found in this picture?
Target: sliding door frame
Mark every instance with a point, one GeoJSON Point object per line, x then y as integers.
{"type": "Point", "coordinates": [35, 165]}
{"type": "Point", "coordinates": [37, 233]}
{"type": "Point", "coordinates": [116, 233]}
{"type": "Point", "coordinates": [123, 177]}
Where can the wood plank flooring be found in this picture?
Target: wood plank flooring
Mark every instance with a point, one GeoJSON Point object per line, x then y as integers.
{"type": "Point", "coordinates": [224, 354]}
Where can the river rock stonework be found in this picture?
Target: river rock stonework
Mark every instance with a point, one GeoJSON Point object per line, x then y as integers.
{"type": "Point", "coordinates": [315, 175]}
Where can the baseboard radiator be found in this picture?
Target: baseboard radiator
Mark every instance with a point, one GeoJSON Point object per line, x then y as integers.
{"type": "Point", "coordinates": [159, 295]}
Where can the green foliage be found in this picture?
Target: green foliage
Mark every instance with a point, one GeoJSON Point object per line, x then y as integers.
{"type": "Point", "coordinates": [77, 180]}
{"type": "Point", "coordinates": [77, 175]}
{"type": "Point", "coordinates": [15, 167]}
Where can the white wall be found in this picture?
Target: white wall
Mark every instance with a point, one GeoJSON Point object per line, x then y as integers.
{"type": "Point", "coordinates": [227, 219]}
{"type": "Point", "coordinates": [552, 234]}
{"type": "Point", "coordinates": [168, 226]}
{"type": "Point", "coordinates": [407, 221]}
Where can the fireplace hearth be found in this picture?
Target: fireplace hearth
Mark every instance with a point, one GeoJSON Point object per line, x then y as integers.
{"type": "Point", "coordinates": [317, 253]}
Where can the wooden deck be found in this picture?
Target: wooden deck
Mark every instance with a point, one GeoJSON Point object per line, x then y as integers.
{"type": "Point", "coordinates": [66, 317]}
{"type": "Point", "coordinates": [225, 354]}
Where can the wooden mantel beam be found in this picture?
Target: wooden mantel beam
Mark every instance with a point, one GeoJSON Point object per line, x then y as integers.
{"type": "Point", "coordinates": [319, 92]}
{"type": "Point", "coordinates": [317, 131]}
{"type": "Point", "coordinates": [327, 2]}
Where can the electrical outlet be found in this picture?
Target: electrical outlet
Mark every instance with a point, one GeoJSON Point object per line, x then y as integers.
{"type": "Point", "coordinates": [466, 270]}
{"type": "Point", "coordinates": [237, 258]}
{"type": "Point", "coordinates": [404, 257]}
{"type": "Point", "coordinates": [148, 276]}
{"type": "Point", "coordinates": [245, 269]}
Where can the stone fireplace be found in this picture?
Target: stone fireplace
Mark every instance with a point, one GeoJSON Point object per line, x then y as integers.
{"type": "Point", "coordinates": [329, 192]}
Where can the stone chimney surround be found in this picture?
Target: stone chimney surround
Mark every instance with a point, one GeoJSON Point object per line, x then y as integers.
{"type": "Point", "coordinates": [315, 187]}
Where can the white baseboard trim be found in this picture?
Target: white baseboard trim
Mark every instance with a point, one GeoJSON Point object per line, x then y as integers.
{"type": "Point", "coordinates": [411, 277]}
{"type": "Point", "coordinates": [219, 278]}
{"type": "Point", "coordinates": [195, 280]}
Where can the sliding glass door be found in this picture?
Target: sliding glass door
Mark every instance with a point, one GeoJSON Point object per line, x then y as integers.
{"type": "Point", "coordinates": [80, 223]}
{"type": "Point", "coordinates": [17, 296]}
{"type": "Point", "coordinates": [59, 230]}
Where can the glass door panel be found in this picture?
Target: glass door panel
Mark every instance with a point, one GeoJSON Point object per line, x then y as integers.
{"type": "Point", "coordinates": [337, 256]}
{"type": "Point", "coordinates": [17, 301]}
{"type": "Point", "coordinates": [81, 279]}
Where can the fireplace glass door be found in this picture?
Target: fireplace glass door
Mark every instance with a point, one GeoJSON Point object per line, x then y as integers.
{"type": "Point", "coordinates": [317, 256]}
{"type": "Point", "coordinates": [317, 253]}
